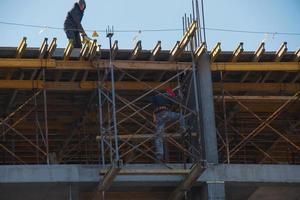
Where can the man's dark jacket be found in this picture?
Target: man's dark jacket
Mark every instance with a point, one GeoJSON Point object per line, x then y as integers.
{"type": "Point", "coordinates": [73, 20]}
{"type": "Point", "coordinates": [162, 100]}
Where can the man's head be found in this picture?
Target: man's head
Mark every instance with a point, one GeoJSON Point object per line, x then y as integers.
{"type": "Point", "coordinates": [82, 4]}
{"type": "Point", "coordinates": [170, 92]}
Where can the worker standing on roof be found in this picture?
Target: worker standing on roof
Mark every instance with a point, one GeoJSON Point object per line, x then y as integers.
{"type": "Point", "coordinates": [163, 114]}
{"type": "Point", "coordinates": [72, 25]}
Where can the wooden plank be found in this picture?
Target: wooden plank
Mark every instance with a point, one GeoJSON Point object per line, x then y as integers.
{"type": "Point", "coordinates": [136, 51]}
{"type": "Point", "coordinates": [200, 50]}
{"type": "Point", "coordinates": [259, 52]}
{"type": "Point", "coordinates": [215, 52]}
{"type": "Point", "coordinates": [21, 48]}
{"type": "Point", "coordinates": [281, 51]}
{"type": "Point", "coordinates": [238, 52]}
{"type": "Point", "coordinates": [181, 45]}
{"type": "Point", "coordinates": [145, 65]}
{"type": "Point", "coordinates": [156, 50]}
{"type": "Point", "coordinates": [52, 48]}
{"type": "Point", "coordinates": [43, 49]}
{"type": "Point", "coordinates": [133, 85]}
{"type": "Point", "coordinates": [68, 50]}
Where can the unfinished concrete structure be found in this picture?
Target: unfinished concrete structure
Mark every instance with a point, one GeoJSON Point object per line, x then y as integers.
{"type": "Point", "coordinates": [78, 125]}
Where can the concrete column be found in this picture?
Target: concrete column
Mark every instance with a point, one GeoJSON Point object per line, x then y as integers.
{"type": "Point", "coordinates": [73, 192]}
{"type": "Point", "coordinates": [207, 112]}
{"type": "Point", "coordinates": [210, 191]}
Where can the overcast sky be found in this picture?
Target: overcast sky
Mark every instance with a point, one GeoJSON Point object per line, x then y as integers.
{"type": "Point", "coordinates": [245, 15]}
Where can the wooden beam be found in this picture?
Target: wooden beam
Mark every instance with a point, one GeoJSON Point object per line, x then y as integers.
{"type": "Point", "coordinates": [145, 65]}
{"type": "Point", "coordinates": [200, 50]}
{"type": "Point", "coordinates": [215, 52]}
{"type": "Point", "coordinates": [136, 51]}
{"type": "Point", "coordinates": [94, 50]}
{"type": "Point", "coordinates": [84, 50]}
{"type": "Point", "coordinates": [156, 50]}
{"type": "Point", "coordinates": [281, 51]}
{"type": "Point", "coordinates": [263, 87]}
{"type": "Point", "coordinates": [22, 46]}
{"type": "Point", "coordinates": [188, 182]}
{"type": "Point", "coordinates": [173, 50]}
{"type": "Point", "coordinates": [259, 52]}
{"type": "Point", "coordinates": [238, 52]}
{"type": "Point", "coordinates": [297, 56]}
{"type": "Point", "coordinates": [43, 49]}
{"type": "Point", "coordinates": [180, 46]}
{"type": "Point", "coordinates": [68, 50]}
{"type": "Point", "coordinates": [256, 66]}
{"type": "Point", "coordinates": [52, 48]}
{"type": "Point", "coordinates": [256, 98]}
{"type": "Point", "coordinates": [110, 176]}
{"type": "Point", "coordinates": [133, 85]}
{"type": "Point", "coordinates": [115, 49]}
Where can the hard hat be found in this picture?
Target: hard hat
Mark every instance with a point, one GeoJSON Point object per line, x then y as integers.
{"type": "Point", "coordinates": [170, 92]}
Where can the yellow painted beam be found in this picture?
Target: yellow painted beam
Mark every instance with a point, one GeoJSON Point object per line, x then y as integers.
{"type": "Point", "coordinates": [115, 49]}
{"type": "Point", "coordinates": [255, 66]}
{"type": "Point", "coordinates": [156, 50]}
{"type": "Point", "coordinates": [281, 51]}
{"type": "Point", "coordinates": [68, 50]}
{"type": "Point", "coordinates": [200, 50]}
{"type": "Point", "coordinates": [84, 50]}
{"type": "Point", "coordinates": [94, 50]}
{"type": "Point", "coordinates": [215, 52]}
{"type": "Point", "coordinates": [180, 46]}
{"type": "Point", "coordinates": [133, 85]}
{"type": "Point", "coordinates": [263, 87]}
{"type": "Point", "coordinates": [259, 52]}
{"type": "Point", "coordinates": [256, 98]}
{"type": "Point", "coordinates": [238, 52]}
{"type": "Point", "coordinates": [26, 63]}
{"type": "Point", "coordinates": [52, 48]}
{"type": "Point", "coordinates": [145, 65]}
{"type": "Point", "coordinates": [21, 48]}
{"type": "Point", "coordinates": [43, 49]}
{"type": "Point", "coordinates": [136, 51]}
{"type": "Point", "coordinates": [297, 56]}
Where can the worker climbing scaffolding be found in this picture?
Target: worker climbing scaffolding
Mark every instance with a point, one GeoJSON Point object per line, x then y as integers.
{"type": "Point", "coordinates": [163, 114]}
{"type": "Point", "coordinates": [73, 27]}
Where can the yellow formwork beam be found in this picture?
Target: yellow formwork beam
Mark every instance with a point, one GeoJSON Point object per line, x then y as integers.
{"type": "Point", "coordinates": [133, 85]}
{"type": "Point", "coordinates": [145, 65]}
{"type": "Point", "coordinates": [255, 66]}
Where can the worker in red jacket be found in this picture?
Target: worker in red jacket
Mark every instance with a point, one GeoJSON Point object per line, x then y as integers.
{"type": "Point", "coordinates": [72, 25]}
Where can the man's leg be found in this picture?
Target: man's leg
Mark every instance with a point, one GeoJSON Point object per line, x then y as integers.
{"type": "Point", "coordinates": [70, 35]}
{"type": "Point", "coordinates": [174, 116]}
{"type": "Point", "coordinates": [158, 140]}
{"type": "Point", "coordinates": [77, 41]}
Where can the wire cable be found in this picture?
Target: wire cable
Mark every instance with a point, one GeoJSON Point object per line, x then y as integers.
{"type": "Point", "coordinates": [154, 30]}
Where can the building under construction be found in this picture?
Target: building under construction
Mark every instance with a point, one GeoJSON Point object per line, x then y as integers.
{"type": "Point", "coordinates": [78, 125]}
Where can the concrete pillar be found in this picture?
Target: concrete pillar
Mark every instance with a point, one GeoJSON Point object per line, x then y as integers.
{"type": "Point", "coordinates": [207, 113]}
{"type": "Point", "coordinates": [73, 192]}
{"type": "Point", "coordinates": [210, 191]}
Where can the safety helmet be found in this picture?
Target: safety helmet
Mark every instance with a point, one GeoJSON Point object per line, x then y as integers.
{"type": "Point", "coordinates": [170, 92]}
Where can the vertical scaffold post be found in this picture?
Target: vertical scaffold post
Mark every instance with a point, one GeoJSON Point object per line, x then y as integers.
{"type": "Point", "coordinates": [46, 114]}
{"type": "Point", "coordinates": [109, 34]}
